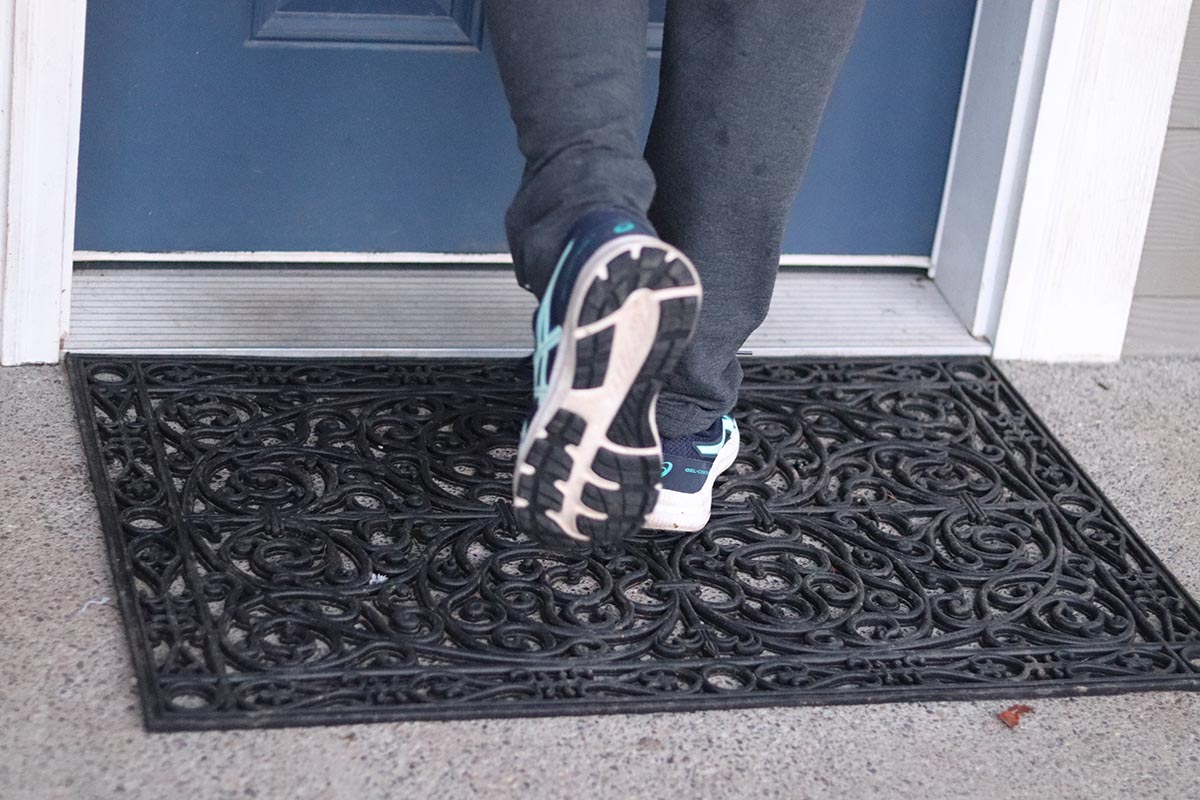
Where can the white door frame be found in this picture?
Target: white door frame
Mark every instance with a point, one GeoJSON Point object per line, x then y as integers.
{"type": "Point", "coordinates": [1005, 69]}
{"type": "Point", "coordinates": [40, 92]}
{"type": "Point", "coordinates": [1092, 165]}
{"type": "Point", "coordinates": [1060, 128]}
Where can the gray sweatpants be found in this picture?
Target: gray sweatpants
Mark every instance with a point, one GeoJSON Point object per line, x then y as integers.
{"type": "Point", "coordinates": [742, 89]}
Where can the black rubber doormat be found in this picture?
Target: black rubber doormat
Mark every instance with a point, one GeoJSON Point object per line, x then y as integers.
{"type": "Point", "coordinates": [318, 541]}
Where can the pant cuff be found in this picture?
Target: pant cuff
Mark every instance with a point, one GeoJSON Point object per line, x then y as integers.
{"type": "Point", "coordinates": [679, 416]}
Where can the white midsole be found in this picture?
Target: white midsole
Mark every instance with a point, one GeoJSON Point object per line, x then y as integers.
{"type": "Point", "coordinates": [684, 511]}
{"type": "Point", "coordinates": [635, 326]}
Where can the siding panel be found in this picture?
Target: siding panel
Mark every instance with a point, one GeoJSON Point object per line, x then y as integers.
{"type": "Point", "coordinates": [1171, 254]}
{"type": "Point", "coordinates": [1162, 326]}
{"type": "Point", "coordinates": [1165, 316]}
{"type": "Point", "coordinates": [1185, 110]}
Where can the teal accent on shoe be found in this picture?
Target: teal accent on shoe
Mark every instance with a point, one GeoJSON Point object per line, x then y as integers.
{"type": "Point", "coordinates": [713, 448]}
{"type": "Point", "coordinates": [547, 336]}
{"type": "Point", "coordinates": [624, 227]}
{"type": "Point", "coordinates": [666, 468]}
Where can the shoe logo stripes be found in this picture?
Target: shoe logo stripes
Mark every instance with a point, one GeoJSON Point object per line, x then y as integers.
{"type": "Point", "coordinates": [546, 335]}
{"type": "Point", "coordinates": [712, 449]}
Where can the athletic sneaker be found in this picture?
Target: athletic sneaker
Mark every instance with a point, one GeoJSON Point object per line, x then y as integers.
{"type": "Point", "coordinates": [690, 467]}
{"type": "Point", "coordinates": [616, 316]}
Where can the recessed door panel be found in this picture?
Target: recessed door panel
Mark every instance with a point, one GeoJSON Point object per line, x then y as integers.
{"type": "Point", "coordinates": [412, 23]}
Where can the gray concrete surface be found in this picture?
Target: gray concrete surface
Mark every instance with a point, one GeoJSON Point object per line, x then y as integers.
{"type": "Point", "coordinates": [69, 725]}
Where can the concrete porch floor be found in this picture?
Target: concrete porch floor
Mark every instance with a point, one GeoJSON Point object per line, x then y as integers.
{"type": "Point", "coordinates": [70, 726]}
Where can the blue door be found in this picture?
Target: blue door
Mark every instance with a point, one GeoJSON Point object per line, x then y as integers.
{"type": "Point", "coordinates": [381, 126]}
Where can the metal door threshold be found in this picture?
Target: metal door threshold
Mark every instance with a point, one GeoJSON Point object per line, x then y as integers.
{"type": "Point", "coordinates": [443, 311]}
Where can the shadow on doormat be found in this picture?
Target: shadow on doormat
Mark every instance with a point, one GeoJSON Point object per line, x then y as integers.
{"type": "Point", "coordinates": [305, 542]}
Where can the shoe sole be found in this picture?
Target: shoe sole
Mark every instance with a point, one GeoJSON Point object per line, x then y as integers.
{"type": "Point", "coordinates": [588, 469]}
{"type": "Point", "coordinates": [684, 512]}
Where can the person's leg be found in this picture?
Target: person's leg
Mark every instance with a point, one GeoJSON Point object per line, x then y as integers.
{"type": "Point", "coordinates": [572, 72]}
{"type": "Point", "coordinates": [743, 87]}
{"type": "Point", "coordinates": [617, 305]}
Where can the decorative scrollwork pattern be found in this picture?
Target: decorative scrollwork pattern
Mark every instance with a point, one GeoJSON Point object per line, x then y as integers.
{"type": "Point", "coordinates": [299, 542]}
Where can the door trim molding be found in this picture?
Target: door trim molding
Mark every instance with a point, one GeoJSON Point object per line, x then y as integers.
{"type": "Point", "coordinates": [1004, 74]}
{"type": "Point", "coordinates": [1093, 162]}
{"type": "Point", "coordinates": [322, 257]}
{"type": "Point", "coordinates": [40, 92]}
{"type": "Point", "coordinates": [1043, 217]}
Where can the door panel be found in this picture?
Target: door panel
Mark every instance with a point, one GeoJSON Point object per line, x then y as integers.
{"type": "Point", "coordinates": [410, 23]}
{"type": "Point", "coordinates": [347, 125]}
{"type": "Point", "coordinates": [415, 23]}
